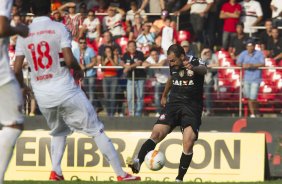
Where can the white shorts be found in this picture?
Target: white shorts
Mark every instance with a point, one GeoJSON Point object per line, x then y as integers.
{"type": "Point", "coordinates": [75, 114]}
{"type": "Point", "coordinates": [11, 104]}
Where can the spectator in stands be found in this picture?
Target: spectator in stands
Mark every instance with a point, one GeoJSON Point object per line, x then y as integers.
{"type": "Point", "coordinates": [161, 75]}
{"type": "Point", "coordinates": [16, 20]}
{"type": "Point", "coordinates": [168, 35]}
{"type": "Point", "coordinates": [56, 16]}
{"type": "Point", "coordinates": [237, 44]}
{"type": "Point", "coordinates": [113, 22]}
{"type": "Point", "coordinates": [130, 60]}
{"type": "Point", "coordinates": [155, 6]}
{"type": "Point", "coordinates": [160, 23]}
{"type": "Point", "coordinates": [130, 15]}
{"type": "Point", "coordinates": [102, 8]}
{"type": "Point", "coordinates": [187, 48]}
{"type": "Point", "coordinates": [276, 9]}
{"type": "Point", "coordinates": [137, 28]}
{"type": "Point", "coordinates": [265, 35]}
{"type": "Point", "coordinates": [211, 60]}
{"type": "Point", "coordinates": [146, 39]}
{"type": "Point", "coordinates": [121, 87]}
{"type": "Point", "coordinates": [91, 28]}
{"type": "Point", "coordinates": [230, 12]}
{"type": "Point", "coordinates": [72, 20]}
{"type": "Point", "coordinates": [274, 45]}
{"type": "Point", "coordinates": [83, 10]}
{"type": "Point", "coordinates": [87, 60]}
{"type": "Point", "coordinates": [28, 18]}
{"type": "Point", "coordinates": [110, 80]}
{"type": "Point", "coordinates": [250, 60]}
{"type": "Point", "coordinates": [251, 16]}
{"type": "Point", "coordinates": [14, 10]}
{"type": "Point", "coordinates": [30, 98]}
{"type": "Point", "coordinates": [108, 41]}
{"type": "Point", "coordinates": [199, 10]}
{"type": "Point", "coordinates": [23, 6]}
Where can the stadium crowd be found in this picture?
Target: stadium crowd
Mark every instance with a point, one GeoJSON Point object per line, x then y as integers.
{"type": "Point", "coordinates": [116, 33]}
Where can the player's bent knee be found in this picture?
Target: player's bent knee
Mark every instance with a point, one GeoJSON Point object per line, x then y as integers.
{"type": "Point", "coordinates": [157, 136]}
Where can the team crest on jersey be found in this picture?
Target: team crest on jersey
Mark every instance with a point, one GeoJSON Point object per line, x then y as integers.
{"type": "Point", "coordinates": [162, 117]}
{"type": "Point", "coordinates": [181, 73]}
{"type": "Point", "coordinates": [190, 73]}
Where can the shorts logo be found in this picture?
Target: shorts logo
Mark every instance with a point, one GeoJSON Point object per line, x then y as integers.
{"type": "Point", "coordinates": [181, 73]}
{"type": "Point", "coordinates": [162, 117]}
{"type": "Point", "coordinates": [190, 73]}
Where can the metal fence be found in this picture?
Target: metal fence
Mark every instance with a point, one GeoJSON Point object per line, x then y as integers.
{"type": "Point", "coordinates": [224, 96]}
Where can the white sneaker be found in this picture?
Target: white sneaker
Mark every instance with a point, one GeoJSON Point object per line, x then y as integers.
{"type": "Point", "coordinates": [178, 181]}
{"type": "Point", "coordinates": [120, 115]}
{"type": "Point", "coordinates": [157, 115]}
{"type": "Point", "coordinates": [252, 116]}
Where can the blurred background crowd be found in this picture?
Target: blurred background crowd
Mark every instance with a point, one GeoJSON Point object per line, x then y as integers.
{"type": "Point", "coordinates": [123, 34]}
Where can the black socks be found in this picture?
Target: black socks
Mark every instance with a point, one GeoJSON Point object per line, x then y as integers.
{"type": "Point", "coordinates": [148, 146]}
{"type": "Point", "coordinates": [185, 161]}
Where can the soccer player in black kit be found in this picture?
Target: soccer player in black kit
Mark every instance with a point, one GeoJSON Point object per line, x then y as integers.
{"type": "Point", "coordinates": [184, 108]}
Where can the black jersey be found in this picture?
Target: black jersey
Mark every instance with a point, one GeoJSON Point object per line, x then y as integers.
{"type": "Point", "coordinates": [187, 86]}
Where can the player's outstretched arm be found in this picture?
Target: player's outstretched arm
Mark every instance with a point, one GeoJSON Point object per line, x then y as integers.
{"type": "Point", "coordinates": [7, 30]}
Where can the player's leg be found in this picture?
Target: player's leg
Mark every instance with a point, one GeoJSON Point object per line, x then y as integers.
{"type": "Point", "coordinates": [12, 120]}
{"type": "Point", "coordinates": [81, 116]}
{"type": "Point", "coordinates": [159, 132]}
{"type": "Point", "coordinates": [189, 137]}
{"type": "Point", "coordinates": [59, 131]}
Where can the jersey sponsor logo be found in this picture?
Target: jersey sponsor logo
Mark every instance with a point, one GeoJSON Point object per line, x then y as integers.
{"type": "Point", "coordinates": [183, 82]}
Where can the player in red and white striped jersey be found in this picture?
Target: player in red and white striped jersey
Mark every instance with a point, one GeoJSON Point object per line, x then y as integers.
{"type": "Point", "coordinates": [61, 101]}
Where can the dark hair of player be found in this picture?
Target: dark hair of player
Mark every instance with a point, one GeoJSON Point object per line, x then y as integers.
{"type": "Point", "coordinates": [176, 49]}
{"type": "Point", "coordinates": [40, 7]}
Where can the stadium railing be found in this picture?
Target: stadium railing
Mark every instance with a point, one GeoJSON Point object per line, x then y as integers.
{"type": "Point", "coordinates": [225, 95]}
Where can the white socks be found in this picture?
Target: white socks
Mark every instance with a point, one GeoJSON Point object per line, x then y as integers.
{"type": "Point", "coordinates": [8, 139]}
{"type": "Point", "coordinates": [106, 146]}
{"type": "Point", "coordinates": [58, 145]}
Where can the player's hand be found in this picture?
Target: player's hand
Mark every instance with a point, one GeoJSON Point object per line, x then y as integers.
{"type": "Point", "coordinates": [71, 4]}
{"type": "Point", "coordinates": [146, 65]}
{"type": "Point", "coordinates": [163, 101]}
{"type": "Point", "coordinates": [78, 74]}
{"type": "Point", "coordinates": [126, 69]}
{"type": "Point", "coordinates": [22, 30]}
{"type": "Point", "coordinates": [247, 66]}
{"type": "Point", "coordinates": [177, 13]}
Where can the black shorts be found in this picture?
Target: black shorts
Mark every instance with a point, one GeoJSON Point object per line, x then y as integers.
{"type": "Point", "coordinates": [183, 115]}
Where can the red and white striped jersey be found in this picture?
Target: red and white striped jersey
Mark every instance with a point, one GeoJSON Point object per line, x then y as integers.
{"type": "Point", "coordinates": [51, 81]}
{"type": "Point", "coordinates": [251, 10]}
{"type": "Point", "coordinates": [6, 74]}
